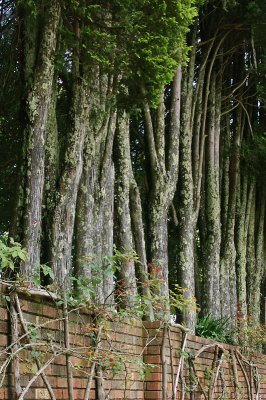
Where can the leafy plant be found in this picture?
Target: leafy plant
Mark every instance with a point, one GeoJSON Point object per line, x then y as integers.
{"type": "Point", "coordinates": [45, 271]}
{"type": "Point", "coordinates": [10, 253]}
{"type": "Point", "coordinates": [179, 300]}
{"type": "Point", "coordinates": [250, 335]}
{"type": "Point", "coordinates": [217, 329]}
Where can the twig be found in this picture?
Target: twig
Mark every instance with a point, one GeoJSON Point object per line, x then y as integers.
{"type": "Point", "coordinates": [236, 381]}
{"type": "Point", "coordinates": [211, 387]}
{"type": "Point", "coordinates": [93, 365]}
{"type": "Point", "coordinates": [99, 382]}
{"type": "Point", "coordinates": [245, 375]}
{"type": "Point", "coordinates": [257, 382]}
{"type": "Point", "coordinates": [223, 384]}
{"type": "Point", "coordinates": [67, 346]}
{"type": "Point", "coordinates": [216, 375]}
{"type": "Point", "coordinates": [15, 339]}
{"type": "Point", "coordinates": [172, 361]}
{"type": "Point", "coordinates": [164, 363]}
{"type": "Point", "coordinates": [208, 346]}
{"type": "Point", "coordinates": [37, 374]}
{"type": "Point", "coordinates": [199, 382]}
{"type": "Point", "coordinates": [180, 365]}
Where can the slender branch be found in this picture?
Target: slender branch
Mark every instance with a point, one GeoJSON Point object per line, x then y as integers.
{"type": "Point", "coordinates": [67, 346]}
{"type": "Point", "coordinates": [212, 383]}
{"type": "Point", "coordinates": [216, 375]}
{"type": "Point", "coordinates": [180, 365]}
{"type": "Point", "coordinates": [164, 364]}
{"type": "Point", "coordinates": [174, 132]}
{"type": "Point", "coordinates": [208, 346]}
{"type": "Point", "coordinates": [245, 375]}
{"type": "Point", "coordinates": [172, 361]}
{"type": "Point", "coordinates": [15, 339]}
{"type": "Point", "coordinates": [247, 114]}
{"type": "Point", "coordinates": [160, 132]}
{"type": "Point", "coordinates": [93, 365]}
{"type": "Point", "coordinates": [235, 372]}
{"type": "Point", "coordinates": [149, 131]}
{"type": "Point", "coordinates": [38, 373]}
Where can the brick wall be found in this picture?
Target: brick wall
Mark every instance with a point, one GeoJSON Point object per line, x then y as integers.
{"type": "Point", "coordinates": [228, 377]}
{"type": "Point", "coordinates": [123, 348]}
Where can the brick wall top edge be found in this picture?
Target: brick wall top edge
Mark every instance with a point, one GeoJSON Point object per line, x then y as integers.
{"type": "Point", "coordinates": [4, 286]}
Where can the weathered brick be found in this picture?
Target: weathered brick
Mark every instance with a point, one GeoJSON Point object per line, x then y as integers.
{"type": "Point", "coordinates": [154, 386]}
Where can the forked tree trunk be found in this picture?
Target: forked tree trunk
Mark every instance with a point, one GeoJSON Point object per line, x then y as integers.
{"type": "Point", "coordinates": [94, 224]}
{"type": "Point", "coordinates": [65, 209]}
{"type": "Point", "coordinates": [164, 160]}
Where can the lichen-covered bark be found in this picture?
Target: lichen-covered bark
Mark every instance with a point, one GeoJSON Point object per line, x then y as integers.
{"type": "Point", "coordinates": [228, 251]}
{"type": "Point", "coordinates": [186, 211]}
{"type": "Point", "coordinates": [104, 215]}
{"type": "Point", "coordinates": [244, 202]}
{"type": "Point", "coordinates": [124, 239]}
{"type": "Point", "coordinates": [94, 213]}
{"type": "Point", "coordinates": [65, 209]}
{"type": "Point", "coordinates": [38, 102]}
{"type": "Point", "coordinates": [186, 228]}
{"type": "Point", "coordinates": [140, 247]}
{"type": "Point", "coordinates": [212, 208]}
{"type": "Point", "coordinates": [256, 256]}
{"type": "Point", "coordinates": [51, 176]}
{"type": "Point", "coordinates": [129, 231]}
{"type": "Point", "coordinates": [163, 155]}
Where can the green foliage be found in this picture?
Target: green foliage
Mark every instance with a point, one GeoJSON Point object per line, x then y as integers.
{"type": "Point", "coordinates": [140, 41]}
{"type": "Point", "coordinates": [216, 329]}
{"type": "Point", "coordinates": [250, 335]}
{"type": "Point", "coordinates": [156, 44]}
{"type": "Point", "coordinates": [253, 155]}
{"type": "Point", "coordinates": [179, 300]}
{"type": "Point", "coordinates": [10, 253]}
{"type": "Point", "coordinates": [42, 270]}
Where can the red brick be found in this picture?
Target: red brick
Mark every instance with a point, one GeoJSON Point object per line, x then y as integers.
{"type": "Point", "coordinates": [3, 314]}
{"type": "Point", "coordinates": [3, 393]}
{"type": "Point", "coordinates": [152, 359]}
{"type": "Point", "coordinates": [154, 386]}
{"type": "Point", "coordinates": [153, 395]}
{"type": "Point", "coordinates": [3, 340]}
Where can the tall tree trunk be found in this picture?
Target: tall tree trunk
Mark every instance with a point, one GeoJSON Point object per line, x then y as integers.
{"type": "Point", "coordinates": [140, 246]}
{"type": "Point", "coordinates": [228, 254]}
{"type": "Point", "coordinates": [255, 257]}
{"type": "Point", "coordinates": [186, 211]}
{"type": "Point", "coordinates": [38, 103]}
{"type": "Point", "coordinates": [212, 208]}
{"type": "Point", "coordinates": [245, 200]}
{"type": "Point", "coordinates": [52, 150]}
{"type": "Point", "coordinates": [123, 178]}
